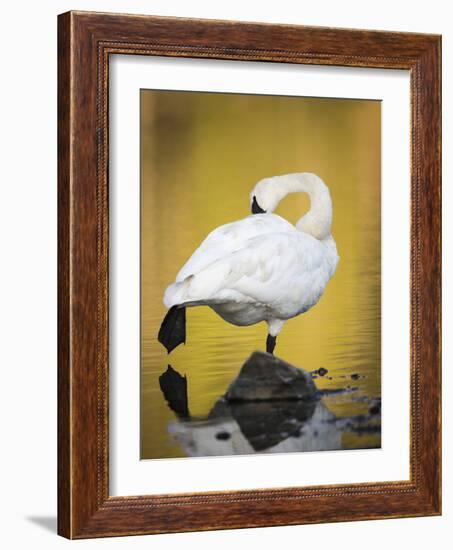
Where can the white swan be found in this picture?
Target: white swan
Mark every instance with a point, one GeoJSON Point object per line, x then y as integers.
{"type": "Point", "coordinates": [260, 268]}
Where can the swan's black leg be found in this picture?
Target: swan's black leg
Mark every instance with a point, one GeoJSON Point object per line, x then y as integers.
{"type": "Point", "coordinates": [270, 343]}
{"type": "Point", "coordinates": [173, 328]}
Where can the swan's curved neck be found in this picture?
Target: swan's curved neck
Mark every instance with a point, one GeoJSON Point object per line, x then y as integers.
{"type": "Point", "coordinates": [318, 220]}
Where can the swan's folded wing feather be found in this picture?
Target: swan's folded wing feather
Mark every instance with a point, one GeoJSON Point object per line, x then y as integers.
{"type": "Point", "coordinates": [274, 266]}
{"type": "Point", "coordinates": [259, 271]}
{"type": "Point", "coordinates": [230, 238]}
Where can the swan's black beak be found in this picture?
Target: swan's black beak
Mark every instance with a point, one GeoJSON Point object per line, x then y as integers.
{"type": "Point", "coordinates": [256, 208]}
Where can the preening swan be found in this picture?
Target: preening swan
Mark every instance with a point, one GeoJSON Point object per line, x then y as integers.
{"type": "Point", "coordinates": [260, 268]}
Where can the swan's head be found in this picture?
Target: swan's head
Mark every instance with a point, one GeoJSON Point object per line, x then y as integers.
{"type": "Point", "coordinates": [268, 192]}
{"type": "Point", "coordinates": [265, 196]}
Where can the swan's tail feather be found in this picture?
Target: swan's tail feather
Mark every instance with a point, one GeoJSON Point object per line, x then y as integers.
{"type": "Point", "coordinates": [176, 293]}
{"type": "Point", "coordinates": [172, 331]}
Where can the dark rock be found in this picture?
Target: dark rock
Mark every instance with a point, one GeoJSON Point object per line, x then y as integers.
{"type": "Point", "coordinates": [223, 436]}
{"type": "Point", "coordinates": [375, 409]}
{"type": "Point", "coordinates": [319, 372]}
{"type": "Point", "coordinates": [355, 376]}
{"type": "Point", "coordinates": [264, 377]}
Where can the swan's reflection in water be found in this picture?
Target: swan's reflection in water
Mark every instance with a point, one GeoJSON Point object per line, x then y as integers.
{"type": "Point", "coordinates": [236, 428]}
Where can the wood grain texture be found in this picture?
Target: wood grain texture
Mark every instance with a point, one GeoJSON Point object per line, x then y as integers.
{"type": "Point", "coordinates": [86, 40]}
{"type": "Point", "coordinates": [64, 367]}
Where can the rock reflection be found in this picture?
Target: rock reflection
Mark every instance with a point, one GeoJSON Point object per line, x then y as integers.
{"type": "Point", "coordinates": [246, 427]}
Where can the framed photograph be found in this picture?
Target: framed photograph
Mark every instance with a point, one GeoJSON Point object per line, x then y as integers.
{"type": "Point", "coordinates": [249, 275]}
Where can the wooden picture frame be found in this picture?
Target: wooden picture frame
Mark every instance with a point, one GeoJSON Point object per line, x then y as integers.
{"type": "Point", "coordinates": [85, 42]}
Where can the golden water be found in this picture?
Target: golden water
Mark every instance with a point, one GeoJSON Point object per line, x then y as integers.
{"type": "Point", "coordinates": [201, 154]}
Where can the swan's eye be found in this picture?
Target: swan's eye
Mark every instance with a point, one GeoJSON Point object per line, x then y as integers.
{"type": "Point", "coordinates": [256, 208]}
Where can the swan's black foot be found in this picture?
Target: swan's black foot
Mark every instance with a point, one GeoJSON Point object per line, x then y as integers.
{"type": "Point", "coordinates": [270, 343]}
{"type": "Point", "coordinates": [173, 328]}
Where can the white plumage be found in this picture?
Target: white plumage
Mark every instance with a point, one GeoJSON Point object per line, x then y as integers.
{"type": "Point", "coordinates": [262, 268]}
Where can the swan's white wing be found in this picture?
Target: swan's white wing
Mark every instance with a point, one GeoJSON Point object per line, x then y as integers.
{"type": "Point", "coordinates": [284, 271]}
{"type": "Point", "coordinates": [229, 238]}
{"type": "Point", "coordinates": [276, 268]}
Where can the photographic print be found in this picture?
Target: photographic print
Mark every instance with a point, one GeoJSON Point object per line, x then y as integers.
{"type": "Point", "coordinates": [260, 274]}
{"type": "Point", "coordinates": [221, 260]}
